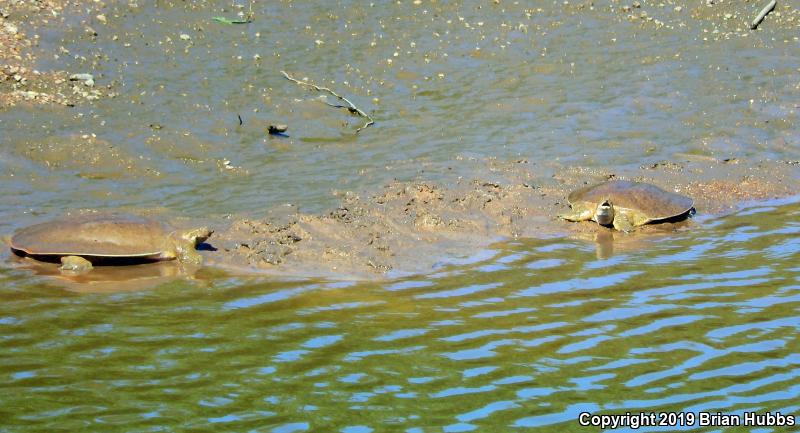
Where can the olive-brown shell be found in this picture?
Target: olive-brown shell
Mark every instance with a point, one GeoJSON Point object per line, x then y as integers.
{"type": "Point", "coordinates": [650, 200]}
{"type": "Point", "coordinates": [93, 235]}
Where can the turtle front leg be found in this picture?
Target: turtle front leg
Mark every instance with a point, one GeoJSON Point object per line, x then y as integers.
{"type": "Point", "coordinates": [623, 223]}
{"type": "Point", "coordinates": [190, 256]}
{"type": "Point", "coordinates": [75, 264]}
{"type": "Point", "coordinates": [579, 213]}
{"type": "Point", "coordinates": [185, 243]}
{"type": "Point", "coordinates": [185, 252]}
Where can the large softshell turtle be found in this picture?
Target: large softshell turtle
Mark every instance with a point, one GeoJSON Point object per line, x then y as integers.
{"type": "Point", "coordinates": [625, 204]}
{"type": "Point", "coordinates": [81, 240]}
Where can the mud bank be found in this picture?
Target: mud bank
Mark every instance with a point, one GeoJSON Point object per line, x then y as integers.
{"type": "Point", "coordinates": [411, 227]}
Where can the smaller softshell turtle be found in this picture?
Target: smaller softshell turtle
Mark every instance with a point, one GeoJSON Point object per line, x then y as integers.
{"type": "Point", "coordinates": [82, 240]}
{"type": "Point", "coordinates": [625, 205]}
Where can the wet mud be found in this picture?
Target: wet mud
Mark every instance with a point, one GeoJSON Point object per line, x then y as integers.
{"type": "Point", "coordinates": [411, 227]}
{"type": "Point", "coordinates": [86, 156]}
{"type": "Point", "coordinates": [21, 80]}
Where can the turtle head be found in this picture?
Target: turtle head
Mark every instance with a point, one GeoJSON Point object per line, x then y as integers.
{"type": "Point", "coordinates": [197, 236]}
{"type": "Point", "coordinates": [604, 213]}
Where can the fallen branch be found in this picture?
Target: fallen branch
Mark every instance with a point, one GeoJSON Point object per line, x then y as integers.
{"type": "Point", "coordinates": [767, 9]}
{"type": "Point", "coordinates": [350, 106]}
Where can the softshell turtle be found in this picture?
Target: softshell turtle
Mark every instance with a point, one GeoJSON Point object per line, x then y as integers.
{"type": "Point", "coordinates": [81, 240]}
{"type": "Point", "coordinates": [625, 204]}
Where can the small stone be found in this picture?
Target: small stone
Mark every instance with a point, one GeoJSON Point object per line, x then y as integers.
{"type": "Point", "coordinates": [11, 28]}
{"type": "Point", "coordinates": [277, 128]}
{"type": "Point", "coordinates": [81, 77]}
{"type": "Point", "coordinates": [678, 8]}
{"type": "Point", "coordinates": [185, 37]}
{"type": "Point", "coordinates": [101, 18]}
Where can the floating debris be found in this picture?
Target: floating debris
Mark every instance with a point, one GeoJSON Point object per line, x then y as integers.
{"type": "Point", "coordinates": [224, 20]}
{"type": "Point", "coordinates": [350, 106]}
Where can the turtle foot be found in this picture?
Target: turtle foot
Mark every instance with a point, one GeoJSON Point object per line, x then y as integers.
{"type": "Point", "coordinates": [75, 264]}
{"type": "Point", "coordinates": [576, 216]}
{"type": "Point", "coordinates": [623, 224]}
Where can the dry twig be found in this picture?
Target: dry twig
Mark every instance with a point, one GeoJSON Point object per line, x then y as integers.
{"type": "Point", "coordinates": [767, 9]}
{"type": "Point", "coordinates": [350, 106]}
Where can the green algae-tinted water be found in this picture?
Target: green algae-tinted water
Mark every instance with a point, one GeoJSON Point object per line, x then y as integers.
{"type": "Point", "coordinates": [525, 335]}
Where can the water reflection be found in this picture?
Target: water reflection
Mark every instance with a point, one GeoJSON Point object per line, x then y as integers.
{"type": "Point", "coordinates": [103, 279]}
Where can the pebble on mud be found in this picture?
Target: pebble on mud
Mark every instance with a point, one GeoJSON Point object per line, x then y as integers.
{"type": "Point", "coordinates": [277, 128]}
{"type": "Point", "coordinates": [88, 79]}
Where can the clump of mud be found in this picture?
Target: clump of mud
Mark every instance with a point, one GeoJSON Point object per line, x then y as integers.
{"type": "Point", "coordinates": [407, 227]}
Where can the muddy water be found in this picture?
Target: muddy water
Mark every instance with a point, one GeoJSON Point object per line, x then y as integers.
{"type": "Point", "coordinates": [445, 82]}
{"type": "Point", "coordinates": [527, 333]}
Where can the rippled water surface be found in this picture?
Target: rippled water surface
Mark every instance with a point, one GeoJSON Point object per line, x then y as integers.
{"type": "Point", "coordinates": [528, 334]}
{"type": "Point", "coordinates": [525, 335]}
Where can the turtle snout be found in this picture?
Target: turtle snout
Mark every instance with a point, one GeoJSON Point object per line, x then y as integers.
{"type": "Point", "coordinates": [197, 236]}
{"type": "Point", "coordinates": [203, 234]}
{"type": "Point", "coordinates": [605, 213]}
